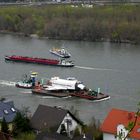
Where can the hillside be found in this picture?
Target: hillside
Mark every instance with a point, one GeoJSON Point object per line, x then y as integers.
{"type": "Point", "coordinates": [97, 23]}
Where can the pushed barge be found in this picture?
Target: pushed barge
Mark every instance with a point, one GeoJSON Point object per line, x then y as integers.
{"type": "Point", "coordinates": [90, 95]}
{"type": "Point", "coordinates": [49, 93]}
{"type": "Point", "coordinates": [68, 87]}
{"type": "Point", "coordinates": [36, 60]}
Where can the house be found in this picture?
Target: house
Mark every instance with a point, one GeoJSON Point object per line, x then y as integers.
{"type": "Point", "coordinates": [116, 122]}
{"type": "Point", "coordinates": [55, 119]}
{"type": "Point", "coordinates": [7, 111]}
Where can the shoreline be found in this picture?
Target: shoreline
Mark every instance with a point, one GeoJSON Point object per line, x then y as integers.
{"type": "Point", "coordinates": [55, 38]}
{"type": "Point", "coordinates": [65, 22]}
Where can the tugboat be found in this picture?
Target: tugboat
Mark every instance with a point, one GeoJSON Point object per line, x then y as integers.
{"type": "Point", "coordinates": [60, 52]}
{"type": "Point", "coordinates": [27, 82]}
{"type": "Point", "coordinates": [36, 60]}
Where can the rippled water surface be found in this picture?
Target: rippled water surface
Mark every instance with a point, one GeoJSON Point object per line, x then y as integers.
{"type": "Point", "coordinates": [114, 68]}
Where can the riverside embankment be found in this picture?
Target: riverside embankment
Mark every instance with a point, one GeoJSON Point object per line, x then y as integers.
{"type": "Point", "coordinates": [117, 23]}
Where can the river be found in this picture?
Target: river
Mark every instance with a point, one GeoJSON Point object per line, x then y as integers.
{"type": "Point", "coordinates": [114, 68]}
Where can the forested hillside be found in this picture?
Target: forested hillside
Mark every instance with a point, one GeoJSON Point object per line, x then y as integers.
{"type": "Point", "coordinates": [99, 23]}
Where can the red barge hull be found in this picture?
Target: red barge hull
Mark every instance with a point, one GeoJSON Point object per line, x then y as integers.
{"type": "Point", "coordinates": [36, 60]}
{"type": "Point", "coordinates": [99, 97]}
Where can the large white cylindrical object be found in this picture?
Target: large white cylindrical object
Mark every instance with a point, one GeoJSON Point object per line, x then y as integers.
{"type": "Point", "coordinates": [70, 84]}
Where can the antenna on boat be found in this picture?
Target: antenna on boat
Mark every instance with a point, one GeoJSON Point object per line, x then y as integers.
{"type": "Point", "coordinates": [42, 81]}
{"type": "Point", "coordinates": [98, 90]}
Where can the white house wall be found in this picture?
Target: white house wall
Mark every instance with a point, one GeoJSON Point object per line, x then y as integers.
{"type": "Point", "coordinates": [107, 136]}
{"type": "Point", "coordinates": [72, 127]}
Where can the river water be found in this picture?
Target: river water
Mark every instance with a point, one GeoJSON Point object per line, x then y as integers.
{"type": "Point", "coordinates": [114, 68]}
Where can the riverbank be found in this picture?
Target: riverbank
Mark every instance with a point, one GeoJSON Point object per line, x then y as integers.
{"type": "Point", "coordinates": [73, 22]}
{"type": "Point", "coordinates": [43, 37]}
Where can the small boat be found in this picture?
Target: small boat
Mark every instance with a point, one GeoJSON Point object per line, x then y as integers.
{"type": "Point", "coordinates": [27, 82]}
{"type": "Point", "coordinates": [36, 60]}
{"type": "Point", "coordinates": [60, 52]}
{"type": "Point", "coordinates": [25, 85]}
{"type": "Point", "coordinates": [90, 95]}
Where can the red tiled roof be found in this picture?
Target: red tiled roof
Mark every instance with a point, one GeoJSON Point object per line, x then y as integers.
{"type": "Point", "coordinates": [116, 117]}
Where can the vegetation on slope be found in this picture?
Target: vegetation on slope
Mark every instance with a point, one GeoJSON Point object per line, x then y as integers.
{"type": "Point", "coordinates": [100, 23]}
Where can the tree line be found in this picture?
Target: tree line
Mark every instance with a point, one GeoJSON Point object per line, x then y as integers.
{"type": "Point", "coordinates": [117, 23]}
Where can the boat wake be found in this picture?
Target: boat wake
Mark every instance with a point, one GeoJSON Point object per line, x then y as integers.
{"type": "Point", "coordinates": [91, 68]}
{"type": "Point", "coordinates": [7, 83]}
{"type": "Point", "coordinates": [66, 97]}
{"type": "Point", "coordinates": [49, 97]}
{"type": "Point", "coordinates": [102, 99]}
{"type": "Point", "coordinates": [26, 91]}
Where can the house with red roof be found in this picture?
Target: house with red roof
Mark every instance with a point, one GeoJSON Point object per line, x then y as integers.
{"type": "Point", "coordinates": [116, 122]}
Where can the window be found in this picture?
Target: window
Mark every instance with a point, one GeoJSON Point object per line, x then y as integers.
{"type": "Point", "coordinates": [138, 130]}
{"type": "Point", "coordinates": [69, 122]}
{"type": "Point", "coordinates": [5, 111]}
{"type": "Point", "coordinates": [13, 109]}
